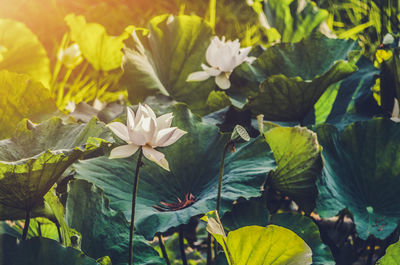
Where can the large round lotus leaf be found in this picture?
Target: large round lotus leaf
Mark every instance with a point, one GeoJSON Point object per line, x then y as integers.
{"type": "Point", "coordinates": [161, 63]}
{"type": "Point", "coordinates": [292, 76]}
{"type": "Point", "coordinates": [305, 228]}
{"type": "Point", "coordinates": [105, 232]}
{"type": "Point", "coordinates": [362, 172]}
{"type": "Point", "coordinates": [256, 245]}
{"type": "Point", "coordinates": [102, 51]}
{"type": "Point", "coordinates": [349, 100]}
{"type": "Point", "coordinates": [252, 212]}
{"type": "Point", "coordinates": [392, 256]}
{"type": "Point", "coordinates": [21, 51]}
{"type": "Point", "coordinates": [255, 212]}
{"type": "Point", "coordinates": [34, 158]}
{"type": "Point", "coordinates": [298, 156]}
{"type": "Point", "coordinates": [41, 251]}
{"type": "Point", "coordinates": [194, 162]}
{"type": "Point", "coordinates": [21, 97]}
{"type": "Point", "coordinates": [294, 19]}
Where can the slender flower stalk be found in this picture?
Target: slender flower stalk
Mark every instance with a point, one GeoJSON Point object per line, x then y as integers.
{"type": "Point", "coordinates": [135, 188]}
{"type": "Point", "coordinates": [143, 132]}
{"type": "Point", "coordinates": [162, 246]}
{"type": "Point", "coordinates": [221, 174]}
{"type": "Point", "coordinates": [26, 225]}
{"type": "Point", "coordinates": [182, 246]}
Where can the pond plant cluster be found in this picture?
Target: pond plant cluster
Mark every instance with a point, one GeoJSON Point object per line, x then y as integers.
{"type": "Point", "coordinates": [199, 132]}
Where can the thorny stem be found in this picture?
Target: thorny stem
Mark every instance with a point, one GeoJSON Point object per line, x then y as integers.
{"type": "Point", "coordinates": [26, 226]}
{"type": "Point", "coordinates": [135, 186]}
{"type": "Point", "coordinates": [163, 250]}
{"type": "Point", "coordinates": [182, 246]}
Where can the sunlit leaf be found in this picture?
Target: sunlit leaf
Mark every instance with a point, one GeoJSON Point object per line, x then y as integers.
{"type": "Point", "coordinates": [298, 155]}
{"type": "Point", "coordinates": [162, 61]}
{"type": "Point", "coordinates": [21, 51]}
{"type": "Point", "coordinates": [103, 51]}
{"type": "Point", "coordinates": [22, 97]}
{"type": "Point", "coordinates": [34, 158]}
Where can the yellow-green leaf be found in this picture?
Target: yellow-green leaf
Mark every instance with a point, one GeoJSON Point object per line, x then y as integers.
{"type": "Point", "coordinates": [21, 51]}
{"type": "Point", "coordinates": [101, 50]}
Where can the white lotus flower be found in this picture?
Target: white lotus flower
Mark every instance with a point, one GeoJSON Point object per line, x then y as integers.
{"type": "Point", "coordinates": [396, 111]}
{"type": "Point", "coordinates": [71, 56]}
{"type": "Point", "coordinates": [223, 57]}
{"type": "Point", "coordinates": [147, 131]}
{"type": "Point", "coordinates": [388, 39]}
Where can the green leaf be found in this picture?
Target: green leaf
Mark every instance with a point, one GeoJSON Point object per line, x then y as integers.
{"type": "Point", "coordinates": [252, 212]}
{"type": "Point", "coordinates": [294, 19]}
{"type": "Point", "coordinates": [349, 100]}
{"type": "Point", "coordinates": [194, 162]}
{"type": "Point", "coordinates": [292, 77]}
{"type": "Point", "coordinates": [361, 172]}
{"type": "Point", "coordinates": [305, 228]}
{"type": "Point", "coordinates": [102, 51]}
{"type": "Point", "coordinates": [105, 232]}
{"type": "Point", "coordinates": [58, 210]}
{"type": "Point", "coordinates": [175, 48]}
{"type": "Point", "coordinates": [21, 97]}
{"type": "Point", "coordinates": [41, 251]}
{"type": "Point", "coordinates": [298, 156]}
{"type": "Point", "coordinates": [392, 255]}
{"type": "Point", "coordinates": [256, 245]}
{"type": "Point", "coordinates": [21, 52]}
{"type": "Point", "coordinates": [36, 156]}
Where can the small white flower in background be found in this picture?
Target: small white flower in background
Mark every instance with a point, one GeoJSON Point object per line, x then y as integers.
{"type": "Point", "coordinates": [70, 106]}
{"type": "Point", "coordinates": [396, 111]}
{"type": "Point", "coordinates": [71, 56]}
{"type": "Point", "coordinates": [223, 57]}
{"type": "Point", "coordinates": [147, 131]}
{"type": "Point", "coordinates": [388, 39]}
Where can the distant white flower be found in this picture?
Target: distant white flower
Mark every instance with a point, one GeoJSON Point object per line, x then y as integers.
{"type": "Point", "coordinates": [71, 56]}
{"type": "Point", "coordinates": [147, 131]}
{"type": "Point", "coordinates": [223, 57]}
{"type": "Point", "coordinates": [396, 111]}
{"type": "Point", "coordinates": [388, 39]}
{"type": "Point", "coordinates": [70, 106]}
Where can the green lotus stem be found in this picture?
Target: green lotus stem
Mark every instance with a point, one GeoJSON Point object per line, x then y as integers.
{"type": "Point", "coordinates": [39, 229]}
{"type": "Point", "coordinates": [182, 246]}
{"type": "Point", "coordinates": [59, 232]}
{"type": "Point", "coordinates": [162, 246]}
{"type": "Point", "coordinates": [135, 186]}
{"type": "Point", "coordinates": [60, 94]}
{"type": "Point", "coordinates": [209, 248]}
{"type": "Point", "coordinates": [221, 174]}
{"type": "Point", "coordinates": [26, 226]}
{"type": "Point", "coordinates": [212, 11]}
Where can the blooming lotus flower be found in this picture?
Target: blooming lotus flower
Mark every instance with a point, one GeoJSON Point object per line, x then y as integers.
{"type": "Point", "coordinates": [71, 56]}
{"type": "Point", "coordinates": [147, 131]}
{"type": "Point", "coordinates": [396, 111]}
{"type": "Point", "coordinates": [223, 57]}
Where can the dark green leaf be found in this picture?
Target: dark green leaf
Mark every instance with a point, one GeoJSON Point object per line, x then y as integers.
{"type": "Point", "coordinates": [105, 232]}
{"type": "Point", "coordinates": [194, 162]}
